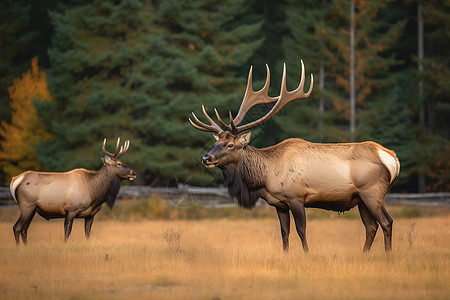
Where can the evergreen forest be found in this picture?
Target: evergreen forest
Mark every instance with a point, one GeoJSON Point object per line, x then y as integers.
{"type": "Point", "coordinates": [75, 72]}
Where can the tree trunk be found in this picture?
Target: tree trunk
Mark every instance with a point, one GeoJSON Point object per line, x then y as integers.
{"type": "Point", "coordinates": [420, 57]}
{"type": "Point", "coordinates": [352, 72]}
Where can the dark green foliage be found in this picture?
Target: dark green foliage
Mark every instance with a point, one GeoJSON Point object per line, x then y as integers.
{"type": "Point", "coordinates": [25, 32]}
{"type": "Point", "coordinates": [389, 122]}
{"type": "Point", "coordinates": [135, 70]}
{"type": "Point", "coordinates": [15, 40]}
{"type": "Point", "coordinates": [433, 138]}
{"type": "Point", "coordinates": [17, 48]}
{"type": "Point", "coordinates": [319, 118]}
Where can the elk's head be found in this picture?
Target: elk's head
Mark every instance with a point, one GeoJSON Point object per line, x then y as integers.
{"type": "Point", "coordinates": [227, 148]}
{"type": "Point", "coordinates": [229, 143]}
{"type": "Point", "coordinates": [114, 165]}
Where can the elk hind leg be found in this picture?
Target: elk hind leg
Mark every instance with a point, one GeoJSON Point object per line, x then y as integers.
{"type": "Point", "coordinates": [283, 216]}
{"type": "Point", "coordinates": [24, 231]}
{"type": "Point", "coordinates": [22, 224]}
{"type": "Point", "coordinates": [370, 223]}
{"type": "Point", "coordinates": [388, 238]}
{"type": "Point", "coordinates": [375, 205]}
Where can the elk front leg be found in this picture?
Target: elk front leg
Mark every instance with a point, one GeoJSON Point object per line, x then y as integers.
{"type": "Point", "coordinates": [298, 211]}
{"type": "Point", "coordinates": [283, 216]}
{"type": "Point", "coordinates": [68, 222]}
{"type": "Point", "coordinates": [87, 226]}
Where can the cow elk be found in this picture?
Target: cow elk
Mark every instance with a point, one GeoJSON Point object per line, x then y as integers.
{"type": "Point", "coordinates": [78, 193]}
{"type": "Point", "coordinates": [295, 173]}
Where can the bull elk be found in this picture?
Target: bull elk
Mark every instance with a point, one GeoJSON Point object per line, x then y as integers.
{"type": "Point", "coordinates": [295, 173]}
{"type": "Point", "coordinates": [78, 193]}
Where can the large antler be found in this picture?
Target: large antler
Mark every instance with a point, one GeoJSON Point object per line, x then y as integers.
{"type": "Point", "coordinates": [252, 98]}
{"type": "Point", "coordinates": [117, 153]}
{"type": "Point", "coordinates": [284, 98]}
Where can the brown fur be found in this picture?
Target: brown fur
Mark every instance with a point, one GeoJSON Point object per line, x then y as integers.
{"type": "Point", "coordinates": [75, 194]}
{"type": "Point", "coordinates": [295, 174]}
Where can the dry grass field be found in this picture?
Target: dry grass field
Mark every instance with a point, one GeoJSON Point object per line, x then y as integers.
{"type": "Point", "coordinates": [234, 257]}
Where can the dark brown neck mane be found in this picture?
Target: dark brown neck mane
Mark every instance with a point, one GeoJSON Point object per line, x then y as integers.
{"type": "Point", "coordinates": [105, 187]}
{"type": "Point", "coordinates": [245, 179]}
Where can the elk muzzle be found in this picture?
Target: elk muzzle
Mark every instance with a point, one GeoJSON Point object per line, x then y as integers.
{"type": "Point", "coordinates": [132, 175]}
{"type": "Point", "coordinates": [209, 160]}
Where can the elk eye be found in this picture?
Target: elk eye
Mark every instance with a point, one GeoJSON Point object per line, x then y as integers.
{"type": "Point", "coordinates": [230, 146]}
{"type": "Point", "coordinates": [119, 164]}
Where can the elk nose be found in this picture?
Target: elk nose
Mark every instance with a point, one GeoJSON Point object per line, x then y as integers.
{"type": "Point", "coordinates": [206, 159]}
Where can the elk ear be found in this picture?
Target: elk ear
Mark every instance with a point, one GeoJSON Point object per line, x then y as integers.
{"type": "Point", "coordinates": [244, 138]}
{"type": "Point", "coordinates": [107, 160]}
{"type": "Point", "coordinates": [216, 136]}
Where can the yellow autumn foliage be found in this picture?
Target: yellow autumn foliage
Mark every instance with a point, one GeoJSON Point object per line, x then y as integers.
{"type": "Point", "coordinates": [19, 138]}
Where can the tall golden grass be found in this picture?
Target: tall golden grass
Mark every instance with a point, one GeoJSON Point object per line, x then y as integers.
{"type": "Point", "coordinates": [240, 258]}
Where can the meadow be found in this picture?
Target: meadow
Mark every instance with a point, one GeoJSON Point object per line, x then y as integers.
{"type": "Point", "coordinates": [151, 250]}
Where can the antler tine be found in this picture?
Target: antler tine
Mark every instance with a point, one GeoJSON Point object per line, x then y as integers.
{"type": "Point", "coordinates": [284, 98]}
{"type": "Point", "coordinates": [233, 126]}
{"type": "Point", "coordinates": [198, 127]}
{"type": "Point", "coordinates": [213, 124]}
{"type": "Point", "coordinates": [220, 119]}
{"type": "Point", "coordinates": [204, 127]}
{"type": "Point", "coordinates": [303, 82]}
{"type": "Point", "coordinates": [123, 149]}
{"type": "Point", "coordinates": [104, 149]}
{"type": "Point", "coordinates": [302, 78]}
{"type": "Point", "coordinates": [252, 98]}
{"type": "Point", "coordinates": [200, 122]}
{"type": "Point", "coordinates": [117, 147]}
{"type": "Point", "coordinates": [267, 84]}
{"type": "Point", "coordinates": [301, 85]}
{"type": "Point", "coordinates": [283, 89]}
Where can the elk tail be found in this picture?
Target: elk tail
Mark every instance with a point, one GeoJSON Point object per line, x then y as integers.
{"type": "Point", "coordinates": [15, 182]}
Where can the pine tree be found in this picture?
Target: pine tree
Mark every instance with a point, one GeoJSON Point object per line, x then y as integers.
{"type": "Point", "coordinates": [318, 118]}
{"type": "Point", "coordinates": [374, 35]}
{"type": "Point", "coordinates": [433, 161]}
{"type": "Point", "coordinates": [391, 123]}
{"type": "Point", "coordinates": [135, 69]}
{"type": "Point", "coordinates": [215, 43]}
{"type": "Point", "coordinates": [15, 39]}
{"type": "Point", "coordinates": [19, 138]}
{"type": "Point", "coordinates": [318, 31]}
